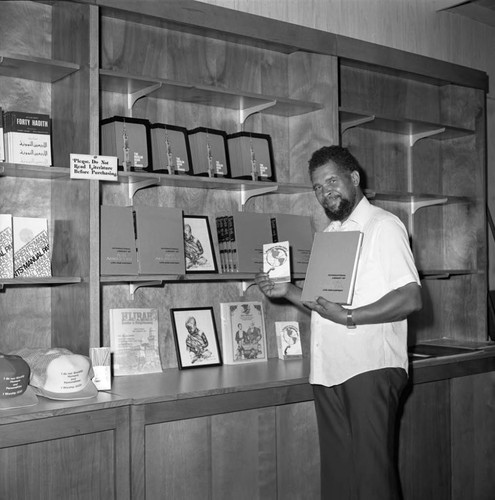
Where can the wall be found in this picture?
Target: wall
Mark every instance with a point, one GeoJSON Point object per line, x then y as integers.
{"type": "Point", "coordinates": [415, 26]}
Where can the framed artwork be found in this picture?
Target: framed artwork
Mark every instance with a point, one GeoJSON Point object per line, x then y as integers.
{"type": "Point", "coordinates": [243, 333]}
{"type": "Point", "coordinates": [196, 338]}
{"type": "Point", "coordinates": [198, 245]}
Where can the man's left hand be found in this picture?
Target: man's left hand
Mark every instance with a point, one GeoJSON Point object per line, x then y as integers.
{"type": "Point", "coordinates": [328, 310]}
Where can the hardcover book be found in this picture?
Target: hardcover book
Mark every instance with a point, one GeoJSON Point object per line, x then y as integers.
{"type": "Point", "coordinates": [251, 156]}
{"type": "Point", "coordinates": [160, 240]}
{"type": "Point", "coordinates": [243, 332]}
{"type": "Point", "coordinates": [297, 230]}
{"type": "Point", "coordinates": [332, 266]}
{"type": "Point", "coordinates": [276, 261]}
{"type": "Point", "coordinates": [129, 140]}
{"type": "Point", "coordinates": [32, 258]}
{"type": "Point", "coordinates": [27, 138]}
{"type": "Point", "coordinates": [288, 340]}
{"type": "Point", "coordinates": [246, 232]}
{"type": "Point", "coordinates": [209, 152]}
{"type": "Point", "coordinates": [170, 149]}
{"type": "Point", "coordinates": [117, 241]}
{"type": "Point", "coordinates": [134, 341]}
{"type": "Point", "coordinates": [6, 247]}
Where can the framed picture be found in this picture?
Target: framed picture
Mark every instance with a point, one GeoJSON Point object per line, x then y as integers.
{"type": "Point", "coordinates": [198, 245]}
{"type": "Point", "coordinates": [243, 333]}
{"type": "Point", "coordinates": [196, 338]}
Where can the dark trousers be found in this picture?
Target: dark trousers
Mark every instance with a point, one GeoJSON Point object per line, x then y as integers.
{"type": "Point", "coordinates": [357, 429]}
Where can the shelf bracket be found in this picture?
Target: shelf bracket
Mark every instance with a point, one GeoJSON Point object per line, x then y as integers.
{"type": "Point", "coordinates": [132, 97]}
{"type": "Point", "coordinates": [134, 286]}
{"type": "Point", "coordinates": [413, 138]}
{"type": "Point", "coordinates": [247, 194]}
{"type": "Point", "coordinates": [356, 122]}
{"type": "Point", "coordinates": [416, 205]}
{"type": "Point", "coordinates": [245, 113]}
{"type": "Point", "coordinates": [137, 185]}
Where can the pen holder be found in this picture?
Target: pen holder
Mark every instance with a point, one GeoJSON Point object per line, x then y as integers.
{"type": "Point", "coordinates": [100, 358]}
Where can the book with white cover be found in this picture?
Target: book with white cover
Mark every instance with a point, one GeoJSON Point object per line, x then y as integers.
{"type": "Point", "coordinates": [32, 256]}
{"type": "Point", "coordinates": [276, 261]}
{"type": "Point", "coordinates": [6, 247]}
{"type": "Point", "coordinates": [243, 333]}
{"type": "Point", "coordinates": [288, 339]}
{"type": "Point", "coordinates": [134, 341]}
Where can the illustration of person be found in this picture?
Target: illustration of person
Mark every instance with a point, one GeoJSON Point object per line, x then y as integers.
{"type": "Point", "coordinates": [252, 345]}
{"type": "Point", "coordinates": [240, 336]}
{"type": "Point", "coordinates": [193, 249]}
{"type": "Point", "coordinates": [196, 341]}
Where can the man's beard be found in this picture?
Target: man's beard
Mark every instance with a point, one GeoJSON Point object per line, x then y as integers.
{"type": "Point", "coordinates": [342, 210]}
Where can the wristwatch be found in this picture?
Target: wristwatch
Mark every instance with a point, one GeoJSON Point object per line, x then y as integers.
{"type": "Point", "coordinates": [350, 323]}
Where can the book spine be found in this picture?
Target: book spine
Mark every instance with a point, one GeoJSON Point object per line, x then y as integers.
{"type": "Point", "coordinates": [234, 257]}
{"type": "Point", "coordinates": [273, 223]}
{"type": "Point", "coordinates": [221, 242]}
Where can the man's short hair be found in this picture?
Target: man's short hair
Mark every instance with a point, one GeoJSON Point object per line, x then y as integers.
{"type": "Point", "coordinates": [336, 154]}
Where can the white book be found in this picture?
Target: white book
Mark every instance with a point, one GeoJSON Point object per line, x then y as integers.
{"type": "Point", "coordinates": [32, 257]}
{"type": "Point", "coordinates": [276, 261]}
{"type": "Point", "coordinates": [288, 339]}
{"type": "Point", "coordinates": [134, 341]}
{"type": "Point", "coordinates": [243, 333]}
{"type": "Point", "coordinates": [6, 247]}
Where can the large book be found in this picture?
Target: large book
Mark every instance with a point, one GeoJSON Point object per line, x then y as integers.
{"type": "Point", "coordinates": [170, 149]}
{"type": "Point", "coordinates": [117, 241]}
{"type": "Point", "coordinates": [332, 266]}
{"type": "Point", "coordinates": [246, 232]}
{"type": "Point", "coordinates": [243, 333]}
{"type": "Point", "coordinates": [129, 140]}
{"type": "Point", "coordinates": [209, 152]}
{"type": "Point", "coordinates": [297, 230]}
{"type": "Point", "coordinates": [160, 240]}
{"type": "Point", "coordinates": [6, 247]}
{"type": "Point", "coordinates": [27, 138]}
{"type": "Point", "coordinates": [32, 256]}
{"type": "Point", "coordinates": [134, 341]}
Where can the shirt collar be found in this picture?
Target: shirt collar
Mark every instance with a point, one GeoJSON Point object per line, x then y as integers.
{"type": "Point", "coordinates": [356, 220]}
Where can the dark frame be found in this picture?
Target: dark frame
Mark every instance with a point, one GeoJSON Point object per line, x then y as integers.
{"type": "Point", "coordinates": [206, 262]}
{"type": "Point", "coordinates": [198, 355]}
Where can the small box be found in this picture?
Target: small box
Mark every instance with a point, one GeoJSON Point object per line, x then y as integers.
{"type": "Point", "coordinates": [129, 140]}
{"type": "Point", "coordinates": [170, 149]}
{"type": "Point", "coordinates": [251, 156]}
{"type": "Point", "coordinates": [209, 152]}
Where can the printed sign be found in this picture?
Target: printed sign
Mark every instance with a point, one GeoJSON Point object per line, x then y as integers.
{"type": "Point", "coordinates": [100, 168]}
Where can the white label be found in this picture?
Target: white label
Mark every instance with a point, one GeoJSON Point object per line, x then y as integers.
{"type": "Point", "coordinates": [100, 168]}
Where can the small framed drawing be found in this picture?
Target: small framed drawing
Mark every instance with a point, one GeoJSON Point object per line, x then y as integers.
{"type": "Point", "coordinates": [196, 338]}
{"type": "Point", "coordinates": [243, 333]}
{"type": "Point", "coordinates": [198, 245]}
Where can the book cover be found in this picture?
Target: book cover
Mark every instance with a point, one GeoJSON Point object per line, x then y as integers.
{"type": "Point", "coordinates": [297, 230]}
{"type": "Point", "coordinates": [117, 241]}
{"type": "Point", "coordinates": [209, 153]}
{"type": "Point", "coordinates": [276, 261]}
{"type": "Point", "coordinates": [170, 149]}
{"type": "Point", "coordinates": [160, 240]}
{"type": "Point", "coordinates": [332, 266]}
{"type": "Point", "coordinates": [134, 341]}
{"type": "Point", "coordinates": [243, 333]}
{"type": "Point", "coordinates": [6, 247]}
{"type": "Point", "coordinates": [32, 257]}
{"type": "Point", "coordinates": [129, 140]}
{"type": "Point", "coordinates": [27, 138]}
{"type": "Point", "coordinates": [288, 340]}
{"type": "Point", "coordinates": [247, 232]}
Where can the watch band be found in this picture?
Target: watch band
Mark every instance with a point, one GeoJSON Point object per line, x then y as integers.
{"type": "Point", "coordinates": [350, 323]}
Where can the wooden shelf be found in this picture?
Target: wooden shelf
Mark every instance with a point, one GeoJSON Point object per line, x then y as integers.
{"type": "Point", "coordinates": [58, 280]}
{"type": "Point", "coordinates": [33, 171]}
{"type": "Point", "coordinates": [402, 126]}
{"type": "Point", "coordinates": [435, 274]}
{"type": "Point", "coordinates": [174, 278]}
{"type": "Point", "coordinates": [34, 68]}
{"type": "Point", "coordinates": [245, 102]}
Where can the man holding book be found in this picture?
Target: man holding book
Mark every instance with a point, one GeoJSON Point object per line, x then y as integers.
{"type": "Point", "coordinates": [359, 356]}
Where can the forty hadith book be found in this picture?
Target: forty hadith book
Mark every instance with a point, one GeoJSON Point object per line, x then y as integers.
{"type": "Point", "coordinates": [332, 267]}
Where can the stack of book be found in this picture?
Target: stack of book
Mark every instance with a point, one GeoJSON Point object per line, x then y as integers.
{"type": "Point", "coordinates": [27, 138]}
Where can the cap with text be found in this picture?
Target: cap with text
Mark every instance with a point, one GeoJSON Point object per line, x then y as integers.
{"type": "Point", "coordinates": [57, 373]}
{"type": "Point", "coordinates": [14, 383]}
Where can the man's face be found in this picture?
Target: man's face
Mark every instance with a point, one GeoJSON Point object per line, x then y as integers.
{"type": "Point", "coordinates": [336, 190]}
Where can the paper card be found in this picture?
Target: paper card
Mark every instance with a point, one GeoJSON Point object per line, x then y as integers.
{"type": "Point", "coordinates": [276, 261]}
{"type": "Point", "coordinates": [93, 167]}
{"type": "Point", "coordinates": [288, 339]}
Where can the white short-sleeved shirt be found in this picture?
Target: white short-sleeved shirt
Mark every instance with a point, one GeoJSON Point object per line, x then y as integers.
{"type": "Point", "coordinates": [385, 263]}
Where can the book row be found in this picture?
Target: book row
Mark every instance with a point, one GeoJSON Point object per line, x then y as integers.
{"type": "Point", "coordinates": [146, 240]}
{"type": "Point", "coordinates": [141, 145]}
{"type": "Point", "coordinates": [25, 138]}
{"type": "Point", "coordinates": [24, 247]}
{"type": "Point", "coordinates": [134, 345]}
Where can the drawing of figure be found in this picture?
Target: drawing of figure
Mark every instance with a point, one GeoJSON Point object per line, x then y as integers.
{"type": "Point", "coordinates": [193, 249]}
{"type": "Point", "coordinates": [196, 342]}
{"type": "Point", "coordinates": [240, 336]}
